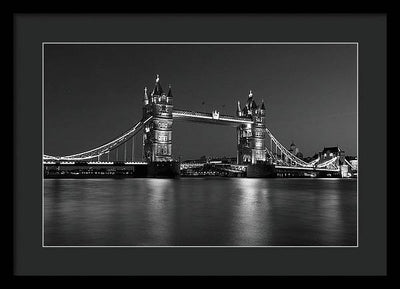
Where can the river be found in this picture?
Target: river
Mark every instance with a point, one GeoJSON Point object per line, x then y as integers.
{"type": "Point", "coordinates": [200, 212]}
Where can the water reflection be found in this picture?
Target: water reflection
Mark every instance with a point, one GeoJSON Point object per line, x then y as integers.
{"type": "Point", "coordinates": [251, 221]}
{"type": "Point", "coordinates": [159, 210]}
{"type": "Point", "coordinates": [201, 212]}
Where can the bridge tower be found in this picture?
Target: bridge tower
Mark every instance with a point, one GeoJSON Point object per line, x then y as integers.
{"type": "Point", "coordinates": [157, 134]}
{"type": "Point", "coordinates": [251, 137]}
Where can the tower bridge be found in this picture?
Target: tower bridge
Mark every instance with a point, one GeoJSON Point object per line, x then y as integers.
{"type": "Point", "coordinates": [259, 153]}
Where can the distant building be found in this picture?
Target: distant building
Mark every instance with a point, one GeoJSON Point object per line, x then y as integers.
{"type": "Point", "coordinates": [351, 158]}
{"type": "Point", "coordinates": [203, 159]}
{"type": "Point", "coordinates": [196, 161]}
{"type": "Point", "coordinates": [307, 159]}
{"type": "Point", "coordinates": [295, 151]}
{"type": "Point", "coordinates": [212, 160]}
{"type": "Point", "coordinates": [223, 160]}
{"type": "Point", "coordinates": [353, 162]}
{"type": "Point", "coordinates": [331, 152]}
{"type": "Point", "coordinates": [310, 159]}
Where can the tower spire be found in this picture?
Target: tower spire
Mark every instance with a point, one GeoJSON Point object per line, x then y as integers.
{"type": "Point", "coordinates": [157, 88]}
{"type": "Point", "coordinates": [262, 105]}
{"type": "Point", "coordinates": [249, 100]}
{"type": "Point", "coordinates": [169, 91]}
{"type": "Point", "coordinates": [238, 110]}
{"type": "Point", "coordinates": [145, 97]}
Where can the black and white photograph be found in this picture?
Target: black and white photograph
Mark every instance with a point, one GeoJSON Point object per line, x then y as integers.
{"type": "Point", "coordinates": [201, 144]}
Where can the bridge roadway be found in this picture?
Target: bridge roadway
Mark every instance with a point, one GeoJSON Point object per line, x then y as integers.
{"type": "Point", "coordinates": [214, 118]}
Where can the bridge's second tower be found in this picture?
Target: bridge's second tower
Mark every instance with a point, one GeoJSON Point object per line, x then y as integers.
{"type": "Point", "coordinates": [251, 137]}
{"type": "Point", "coordinates": [157, 135]}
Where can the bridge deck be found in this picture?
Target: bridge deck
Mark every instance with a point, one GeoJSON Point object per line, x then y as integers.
{"type": "Point", "coordinates": [209, 118]}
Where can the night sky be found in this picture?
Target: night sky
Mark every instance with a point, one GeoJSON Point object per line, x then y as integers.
{"type": "Point", "coordinates": [94, 93]}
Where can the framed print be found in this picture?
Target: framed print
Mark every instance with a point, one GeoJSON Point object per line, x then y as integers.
{"type": "Point", "coordinates": [170, 144]}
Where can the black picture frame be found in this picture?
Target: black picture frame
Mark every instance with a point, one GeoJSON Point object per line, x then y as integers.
{"type": "Point", "coordinates": [30, 30]}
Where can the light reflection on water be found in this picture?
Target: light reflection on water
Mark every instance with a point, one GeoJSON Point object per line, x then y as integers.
{"type": "Point", "coordinates": [201, 212]}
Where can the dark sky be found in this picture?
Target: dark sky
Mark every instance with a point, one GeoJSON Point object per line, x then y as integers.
{"type": "Point", "coordinates": [93, 93]}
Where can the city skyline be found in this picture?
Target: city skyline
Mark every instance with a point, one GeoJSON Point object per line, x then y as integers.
{"type": "Point", "coordinates": [94, 93]}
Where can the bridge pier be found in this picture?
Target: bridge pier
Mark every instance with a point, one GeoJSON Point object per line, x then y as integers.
{"type": "Point", "coordinates": [261, 170]}
{"type": "Point", "coordinates": [163, 169]}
